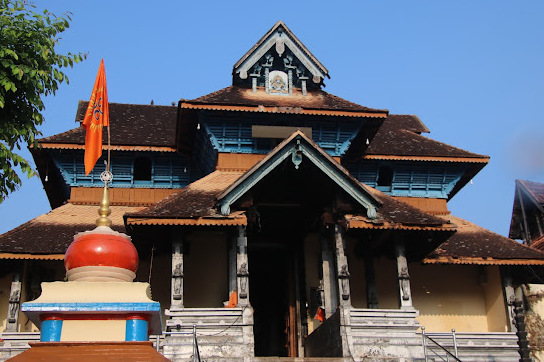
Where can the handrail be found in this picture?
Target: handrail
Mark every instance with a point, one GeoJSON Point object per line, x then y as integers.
{"type": "Point", "coordinates": [448, 353]}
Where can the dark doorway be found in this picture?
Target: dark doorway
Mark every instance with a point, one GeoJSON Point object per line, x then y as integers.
{"type": "Point", "coordinates": [269, 297]}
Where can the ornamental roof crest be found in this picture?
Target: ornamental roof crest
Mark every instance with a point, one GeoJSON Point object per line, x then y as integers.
{"type": "Point", "coordinates": [279, 63]}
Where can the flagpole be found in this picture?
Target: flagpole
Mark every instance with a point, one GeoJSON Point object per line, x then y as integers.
{"type": "Point", "coordinates": [109, 148]}
{"type": "Point", "coordinates": [104, 210]}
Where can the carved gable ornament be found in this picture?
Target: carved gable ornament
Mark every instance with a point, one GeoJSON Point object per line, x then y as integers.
{"type": "Point", "coordinates": [298, 148]}
{"type": "Point", "coordinates": [279, 63]}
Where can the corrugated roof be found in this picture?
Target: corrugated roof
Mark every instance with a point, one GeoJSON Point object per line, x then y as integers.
{"type": "Point", "coordinates": [472, 244]}
{"type": "Point", "coordinates": [131, 125]}
{"type": "Point", "coordinates": [53, 232]}
{"type": "Point", "coordinates": [90, 351]}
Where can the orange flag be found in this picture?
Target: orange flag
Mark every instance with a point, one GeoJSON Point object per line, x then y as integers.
{"type": "Point", "coordinates": [96, 117]}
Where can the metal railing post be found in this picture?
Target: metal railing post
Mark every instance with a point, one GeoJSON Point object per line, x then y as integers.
{"type": "Point", "coordinates": [423, 343]}
{"type": "Point", "coordinates": [454, 341]}
{"type": "Point", "coordinates": [196, 353]}
{"type": "Point", "coordinates": [158, 341]}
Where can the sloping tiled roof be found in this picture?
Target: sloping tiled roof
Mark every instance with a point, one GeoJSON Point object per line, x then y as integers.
{"type": "Point", "coordinates": [53, 232]}
{"type": "Point", "coordinates": [315, 99]}
{"type": "Point", "coordinates": [195, 200]}
{"type": "Point", "coordinates": [198, 201]}
{"type": "Point", "coordinates": [90, 351]}
{"type": "Point", "coordinates": [532, 194]}
{"type": "Point", "coordinates": [131, 125]}
{"type": "Point", "coordinates": [538, 244]}
{"type": "Point", "coordinates": [472, 244]}
{"type": "Point", "coordinates": [399, 136]}
{"type": "Point", "coordinates": [408, 122]}
{"type": "Point", "coordinates": [536, 189]}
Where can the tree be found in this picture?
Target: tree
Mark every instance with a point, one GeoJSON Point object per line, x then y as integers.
{"type": "Point", "coordinates": [30, 68]}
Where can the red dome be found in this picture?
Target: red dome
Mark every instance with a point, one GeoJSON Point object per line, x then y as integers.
{"type": "Point", "coordinates": [98, 249]}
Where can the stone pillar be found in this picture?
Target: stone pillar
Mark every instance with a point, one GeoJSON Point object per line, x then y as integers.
{"type": "Point", "coordinates": [342, 267]}
{"type": "Point", "coordinates": [177, 273]}
{"type": "Point", "coordinates": [370, 276]}
{"type": "Point", "coordinates": [14, 304]}
{"type": "Point", "coordinates": [510, 298]}
{"type": "Point", "coordinates": [329, 298]}
{"type": "Point", "coordinates": [523, 338]}
{"type": "Point", "coordinates": [405, 294]}
{"type": "Point", "coordinates": [242, 271]}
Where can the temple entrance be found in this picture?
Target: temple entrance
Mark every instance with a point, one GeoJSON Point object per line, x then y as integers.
{"type": "Point", "coordinates": [275, 295]}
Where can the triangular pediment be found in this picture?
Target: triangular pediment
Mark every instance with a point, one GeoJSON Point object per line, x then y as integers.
{"type": "Point", "coordinates": [279, 60]}
{"type": "Point", "coordinates": [292, 152]}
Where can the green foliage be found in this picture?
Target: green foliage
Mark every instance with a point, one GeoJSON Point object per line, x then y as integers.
{"type": "Point", "coordinates": [30, 69]}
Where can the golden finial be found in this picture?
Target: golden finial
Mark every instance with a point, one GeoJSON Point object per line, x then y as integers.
{"type": "Point", "coordinates": [104, 209]}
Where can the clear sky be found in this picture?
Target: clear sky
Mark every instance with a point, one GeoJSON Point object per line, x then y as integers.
{"type": "Point", "coordinates": [473, 71]}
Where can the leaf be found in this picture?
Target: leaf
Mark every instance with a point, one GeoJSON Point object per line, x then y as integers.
{"type": "Point", "coordinates": [30, 69]}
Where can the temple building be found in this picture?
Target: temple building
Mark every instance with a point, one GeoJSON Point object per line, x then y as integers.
{"type": "Point", "coordinates": [276, 219]}
{"type": "Point", "coordinates": [527, 225]}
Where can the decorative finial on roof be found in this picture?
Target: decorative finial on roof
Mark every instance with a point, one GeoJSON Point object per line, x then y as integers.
{"type": "Point", "coordinates": [104, 210]}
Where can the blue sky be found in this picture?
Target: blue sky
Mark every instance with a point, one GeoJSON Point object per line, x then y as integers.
{"type": "Point", "coordinates": [473, 71]}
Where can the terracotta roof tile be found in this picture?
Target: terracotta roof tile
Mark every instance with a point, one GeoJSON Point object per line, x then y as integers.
{"type": "Point", "coordinates": [396, 211]}
{"type": "Point", "coordinates": [399, 136]}
{"type": "Point", "coordinates": [131, 124]}
{"type": "Point", "coordinates": [195, 200]}
{"type": "Point", "coordinates": [538, 244]}
{"type": "Point", "coordinates": [90, 351]}
{"type": "Point", "coordinates": [315, 99]}
{"type": "Point", "coordinates": [474, 242]}
{"type": "Point", "coordinates": [536, 189]}
{"type": "Point", "coordinates": [198, 200]}
{"type": "Point", "coordinates": [53, 232]}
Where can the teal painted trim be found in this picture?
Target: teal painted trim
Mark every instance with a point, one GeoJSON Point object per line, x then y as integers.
{"type": "Point", "coordinates": [341, 180]}
{"type": "Point", "coordinates": [345, 145]}
{"type": "Point", "coordinates": [235, 136]}
{"type": "Point", "coordinates": [167, 170]}
{"type": "Point", "coordinates": [292, 148]}
{"type": "Point", "coordinates": [136, 330]}
{"type": "Point", "coordinates": [272, 163]}
{"type": "Point", "coordinates": [213, 139]}
{"type": "Point", "coordinates": [51, 330]}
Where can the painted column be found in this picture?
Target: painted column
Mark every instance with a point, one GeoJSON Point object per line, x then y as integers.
{"type": "Point", "coordinates": [136, 329]}
{"type": "Point", "coordinates": [370, 276]}
{"type": "Point", "coordinates": [242, 272]}
{"type": "Point", "coordinates": [405, 294]}
{"type": "Point", "coordinates": [329, 298]}
{"type": "Point", "coordinates": [176, 289]}
{"type": "Point", "coordinates": [342, 266]}
{"type": "Point", "coordinates": [50, 329]}
{"type": "Point", "coordinates": [14, 304]}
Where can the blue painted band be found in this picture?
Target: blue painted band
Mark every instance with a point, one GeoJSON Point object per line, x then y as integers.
{"type": "Point", "coordinates": [136, 330]}
{"type": "Point", "coordinates": [91, 307]}
{"type": "Point", "coordinates": [51, 330]}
